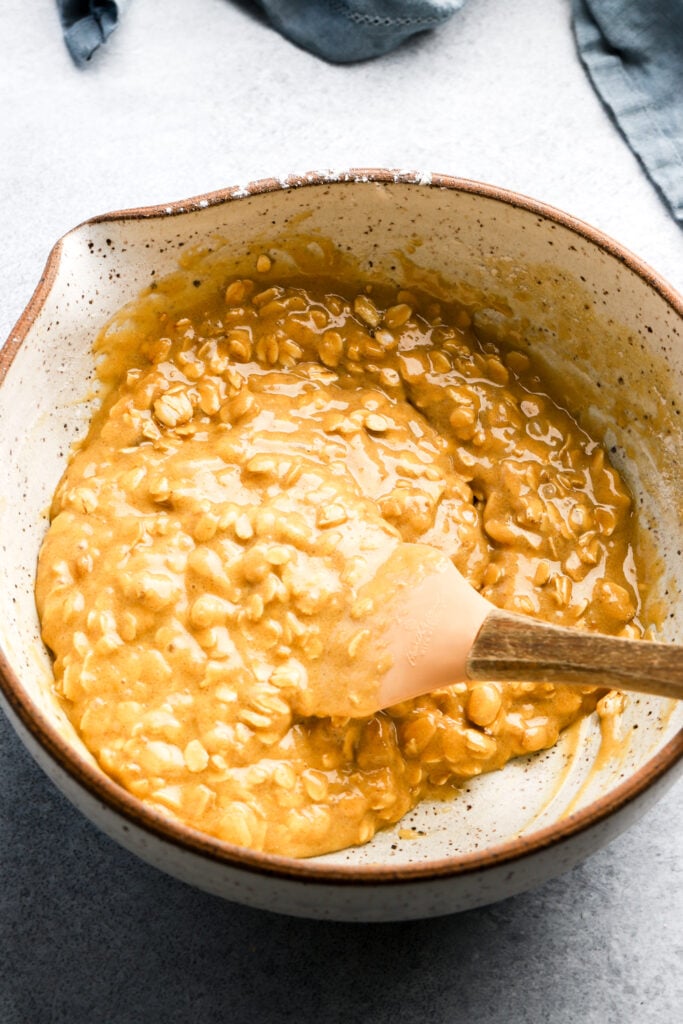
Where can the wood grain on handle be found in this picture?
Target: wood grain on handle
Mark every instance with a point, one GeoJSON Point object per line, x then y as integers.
{"type": "Point", "coordinates": [514, 647]}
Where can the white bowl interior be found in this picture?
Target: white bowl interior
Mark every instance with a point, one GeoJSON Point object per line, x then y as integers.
{"type": "Point", "coordinates": [611, 342]}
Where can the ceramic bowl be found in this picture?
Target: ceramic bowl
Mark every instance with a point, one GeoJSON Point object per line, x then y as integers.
{"type": "Point", "coordinates": [608, 329]}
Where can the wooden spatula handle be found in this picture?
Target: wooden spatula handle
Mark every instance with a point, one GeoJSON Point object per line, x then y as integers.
{"type": "Point", "coordinates": [515, 647]}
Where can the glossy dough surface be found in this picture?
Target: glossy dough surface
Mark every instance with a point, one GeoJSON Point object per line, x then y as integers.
{"type": "Point", "coordinates": [253, 464]}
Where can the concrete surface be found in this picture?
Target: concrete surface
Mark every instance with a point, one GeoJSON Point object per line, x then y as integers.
{"type": "Point", "coordinates": [191, 97]}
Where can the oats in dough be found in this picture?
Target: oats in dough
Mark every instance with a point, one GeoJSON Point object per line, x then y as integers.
{"type": "Point", "coordinates": [251, 467]}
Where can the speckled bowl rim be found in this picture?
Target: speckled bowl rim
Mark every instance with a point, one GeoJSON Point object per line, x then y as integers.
{"type": "Point", "coordinates": [119, 800]}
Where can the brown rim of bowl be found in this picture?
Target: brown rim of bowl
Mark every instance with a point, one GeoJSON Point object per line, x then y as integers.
{"type": "Point", "coordinates": [104, 789]}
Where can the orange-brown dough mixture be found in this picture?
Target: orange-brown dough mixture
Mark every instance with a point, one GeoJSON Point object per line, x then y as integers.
{"type": "Point", "coordinates": [251, 468]}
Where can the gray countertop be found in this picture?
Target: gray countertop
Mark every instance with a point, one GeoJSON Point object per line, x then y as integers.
{"type": "Point", "coordinates": [191, 97]}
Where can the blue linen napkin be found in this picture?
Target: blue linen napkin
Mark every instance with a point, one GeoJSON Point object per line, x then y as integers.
{"type": "Point", "coordinates": [633, 52]}
{"type": "Point", "coordinates": [350, 30]}
{"type": "Point", "coordinates": [87, 24]}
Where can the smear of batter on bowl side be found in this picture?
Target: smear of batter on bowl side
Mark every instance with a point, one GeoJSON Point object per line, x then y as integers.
{"type": "Point", "coordinates": [254, 462]}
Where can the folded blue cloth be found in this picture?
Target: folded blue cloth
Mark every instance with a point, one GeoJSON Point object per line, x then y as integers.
{"type": "Point", "coordinates": [349, 30]}
{"type": "Point", "coordinates": [633, 52]}
{"type": "Point", "coordinates": [86, 25]}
